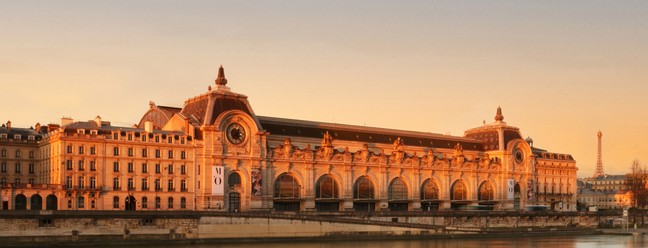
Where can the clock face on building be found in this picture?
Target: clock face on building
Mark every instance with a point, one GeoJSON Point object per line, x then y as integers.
{"type": "Point", "coordinates": [519, 156]}
{"type": "Point", "coordinates": [236, 133]}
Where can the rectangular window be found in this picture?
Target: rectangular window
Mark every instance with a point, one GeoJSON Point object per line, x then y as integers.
{"type": "Point", "coordinates": [116, 151]}
{"type": "Point", "coordinates": [116, 202]}
{"type": "Point", "coordinates": [144, 137]}
{"type": "Point", "coordinates": [81, 183]}
{"type": "Point", "coordinates": [69, 149]}
{"type": "Point", "coordinates": [130, 168]}
{"type": "Point", "coordinates": [17, 153]}
{"type": "Point", "coordinates": [81, 165]}
{"type": "Point", "coordinates": [144, 202]}
{"type": "Point", "coordinates": [183, 169]}
{"type": "Point", "coordinates": [4, 153]}
{"type": "Point", "coordinates": [157, 168]}
{"type": "Point", "coordinates": [157, 202]}
{"type": "Point", "coordinates": [170, 185]}
{"type": "Point", "coordinates": [93, 150]}
{"type": "Point", "coordinates": [130, 136]}
{"type": "Point", "coordinates": [31, 154]}
{"type": "Point", "coordinates": [170, 154]}
{"type": "Point", "coordinates": [116, 184]}
{"type": "Point", "coordinates": [130, 151]}
{"type": "Point", "coordinates": [170, 169]}
{"type": "Point", "coordinates": [157, 153]}
{"type": "Point", "coordinates": [4, 167]}
{"type": "Point", "coordinates": [81, 202]}
{"type": "Point", "coordinates": [131, 184]}
{"type": "Point", "coordinates": [81, 150]}
{"type": "Point", "coordinates": [183, 155]}
{"type": "Point", "coordinates": [170, 140]}
{"type": "Point", "coordinates": [157, 139]}
{"type": "Point", "coordinates": [144, 168]}
{"type": "Point", "coordinates": [183, 185]}
{"type": "Point", "coordinates": [92, 166]}
{"type": "Point", "coordinates": [144, 184]}
{"type": "Point", "coordinates": [115, 136]}
{"type": "Point", "coordinates": [32, 169]}
{"type": "Point", "coordinates": [158, 185]}
{"type": "Point", "coordinates": [68, 182]}
{"type": "Point", "coordinates": [116, 167]}
{"type": "Point", "coordinates": [182, 140]}
{"type": "Point", "coordinates": [68, 164]}
{"type": "Point", "coordinates": [93, 183]}
{"type": "Point", "coordinates": [144, 153]}
{"type": "Point", "coordinates": [32, 181]}
{"type": "Point", "coordinates": [18, 167]}
{"type": "Point", "coordinates": [17, 180]}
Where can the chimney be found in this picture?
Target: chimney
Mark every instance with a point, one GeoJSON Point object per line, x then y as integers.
{"type": "Point", "coordinates": [38, 127]}
{"type": "Point", "coordinates": [9, 125]}
{"type": "Point", "coordinates": [148, 126]}
{"type": "Point", "coordinates": [98, 121]}
{"type": "Point", "coordinates": [66, 121]}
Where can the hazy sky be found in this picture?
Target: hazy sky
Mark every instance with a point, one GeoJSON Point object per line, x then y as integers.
{"type": "Point", "coordinates": [561, 70]}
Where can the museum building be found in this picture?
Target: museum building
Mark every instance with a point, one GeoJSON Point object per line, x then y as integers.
{"type": "Point", "coordinates": [214, 153]}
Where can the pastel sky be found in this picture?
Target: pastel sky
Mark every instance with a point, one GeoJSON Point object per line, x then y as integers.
{"type": "Point", "coordinates": [560, 70]}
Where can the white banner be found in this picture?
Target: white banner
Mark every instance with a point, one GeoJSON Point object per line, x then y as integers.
{"type": "Point", "coordinates": [511, 189]}
{"type": "Point", "coordinates": [218, 179]}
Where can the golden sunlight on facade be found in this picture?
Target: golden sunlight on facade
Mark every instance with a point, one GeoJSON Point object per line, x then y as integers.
{"type": "Point", "coordinates": [214, 153]}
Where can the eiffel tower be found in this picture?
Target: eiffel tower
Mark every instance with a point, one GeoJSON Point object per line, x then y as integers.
{"type": "Point", "coordinates": [599, 162]}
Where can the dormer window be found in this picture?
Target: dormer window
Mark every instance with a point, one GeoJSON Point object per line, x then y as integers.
{"type": "Point", "coordinates": [93, 132]}
{"type": "Point", "coordinates": [17, 136]}
{"type": "Point", "coordinates": [31, 137]}
{"type": "Point", "coordinates": [81, 131]}
{"type": "Point", "coordinates": [3, 136]}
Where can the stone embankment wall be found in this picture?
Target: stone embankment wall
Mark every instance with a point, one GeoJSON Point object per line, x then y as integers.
{"type": "Point", "coordinates": [73, 227]}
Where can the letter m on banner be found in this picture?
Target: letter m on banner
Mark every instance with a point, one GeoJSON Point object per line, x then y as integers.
{"type": "Point", "coordinates": [218, 177]}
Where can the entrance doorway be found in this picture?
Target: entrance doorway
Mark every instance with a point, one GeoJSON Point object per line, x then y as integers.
{"type": "Point", "coordinates": [130, 203]}
{"type": "Point", "coordinates": [21, 202]}
{"type": "Point", "coordinates": [51, 202]}
{"type": "Point", "coordinates": [234, 202]}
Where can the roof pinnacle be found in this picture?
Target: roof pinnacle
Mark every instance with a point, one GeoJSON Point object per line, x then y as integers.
{"type": "Point", "coordinates": [220, 79]}
{"type": "Point", "coordinates": [499, 116]}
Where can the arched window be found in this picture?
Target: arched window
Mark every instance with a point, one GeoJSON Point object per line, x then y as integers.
{"type": "Point", "coordinates": [183, 203]}
{"type": "Point", "coordinates": [286, 186]}
{"type": "Point", "coordinates": [234, 179]}
{"type": "Point", "coordinates": [364, 189]}
{"type": "Point", "coordinates": [429, 191]}
{"type": "Point", "coordinates": [170, 203]}
{"type": "Point", "coordinates": [81, 202]}
{"type": "Point", "coordinates": [398, 190]}
{"type": "Point", "coordinates": [486, 192]}
{"type": "Point", "coordinates": [158, 202]}
{"type": "Point", "coordinates": [327, 187]}
{"type": "Point", "coordinates": [144, 202]}
{"type": "Point", "coordinates": [459, 191]}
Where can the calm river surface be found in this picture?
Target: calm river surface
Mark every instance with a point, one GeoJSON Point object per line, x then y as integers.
{"type": "Point", "coordinates": [585, 241]}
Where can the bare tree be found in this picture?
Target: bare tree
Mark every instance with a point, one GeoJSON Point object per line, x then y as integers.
{"type": "Point", "coordinates": [636, 184]}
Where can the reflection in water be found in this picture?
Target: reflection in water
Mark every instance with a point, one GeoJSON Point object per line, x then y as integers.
{"type": "Point", "coordinates": [587, 241]}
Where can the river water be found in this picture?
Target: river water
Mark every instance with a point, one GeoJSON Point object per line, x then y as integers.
{"type": "Point", "coordinates": [583, 241]}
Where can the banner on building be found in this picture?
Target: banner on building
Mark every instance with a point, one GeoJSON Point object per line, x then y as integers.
{"type": "Point", "coordinates": [530, 191]}
{"type": "Point", "coordinates": [218, 180]}
{"type": "Point", "coordinates": [511, 189]}
{"type": "Point", "coordinates": [257, 182]}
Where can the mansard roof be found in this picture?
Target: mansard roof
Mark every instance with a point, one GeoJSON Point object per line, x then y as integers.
{"type": "Point", "coordinates": [541, 153]}
{"type": "Point", "coordinates": [23, 132]}
{"type": "Point", "coordinates": [313, 129]}
{"type": "Point", "coordinates": [107, 129]}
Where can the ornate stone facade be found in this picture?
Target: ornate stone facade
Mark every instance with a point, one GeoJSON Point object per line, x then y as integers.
{"type": "Point", "coordinates": [238, 161]}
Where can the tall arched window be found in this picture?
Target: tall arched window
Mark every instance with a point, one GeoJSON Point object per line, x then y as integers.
{"type": "Point", "coordinates": [486, 192]}
{"type": "Point", "coordinates": [327, 188]}
{"type": "Point", "coordinates": [459, 191]}
{"type": "Point", "coordinates": [286, 186]}
{"type": "Point", "coordinates": [429, 191]}
{"type": "Point", "coordinates": [364, 189]}
{"type": "Point", "coordinates": [170, 203]}
{"type": "Point", "coordinates": [398, 190]}
{"type": "Point", "coordinates": [234, 179]}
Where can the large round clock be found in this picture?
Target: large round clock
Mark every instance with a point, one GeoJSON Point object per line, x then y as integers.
{"type": "Point", "coordinates": [519, 156]}
{"type": "Point", "coordinates": [236, 133]}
